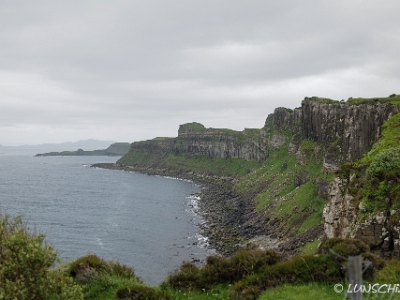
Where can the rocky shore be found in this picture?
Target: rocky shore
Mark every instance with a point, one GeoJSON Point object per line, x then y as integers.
{"type": "Point", "coordinates": [231, 222]}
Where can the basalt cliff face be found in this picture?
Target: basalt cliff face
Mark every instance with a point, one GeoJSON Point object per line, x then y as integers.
{"type": "Point", "coordinates": [219, 143]}
{"type": "Point", "coordinates": [284, 179]}
{"type": "Point", "coordinates": [344, 132]}
{"type": "Point", "coordinates": [194, 140]}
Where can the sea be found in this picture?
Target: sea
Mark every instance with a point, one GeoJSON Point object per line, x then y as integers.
{"type": "Point", "coordinates": [149, 223]}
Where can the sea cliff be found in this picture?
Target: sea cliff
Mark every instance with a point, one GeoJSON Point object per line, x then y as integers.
{"type": "Point", "coordinates": [281, 185]}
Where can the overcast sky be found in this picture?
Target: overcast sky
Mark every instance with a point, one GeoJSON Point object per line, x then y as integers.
{"type": "Point", "coordinates": [134, 70]}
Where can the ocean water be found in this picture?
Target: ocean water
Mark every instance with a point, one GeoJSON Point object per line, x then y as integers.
{"type": "Point", "coordinates": [146, 222]}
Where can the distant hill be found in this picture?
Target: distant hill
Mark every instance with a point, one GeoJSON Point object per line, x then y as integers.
{"type": "Point", "coordinates": [115, 149]}
{"type": "Point", "coordinates": [84, 144]}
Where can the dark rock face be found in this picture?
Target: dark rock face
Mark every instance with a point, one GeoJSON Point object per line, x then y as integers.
{"type": "Point", "coordinates": [322, 188]}
{"type": "Point", "coordinates": [345, 132]}
{"type": "Point", "coordinates": [215, 143]}
{"type": "Point", "coordinates": [212, 143]}
{"type": "Point", "coordinates": [301, 178]}
{"type": "Point", "coordinates": [285, 120]}
{"type": "Point", "coordinates": [153, 146]}
{"type": "Point", "coordinates": [348, 130]}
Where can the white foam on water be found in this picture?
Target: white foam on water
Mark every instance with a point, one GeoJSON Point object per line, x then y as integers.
{"type": "Point", "coordinates": [193, 204]}
{"type": "Point", "coordinates": [100, 243]}
{"type": "Point", "coordinates": [202, 241]}
{"type": "Point", "coordinates": [175, 178]}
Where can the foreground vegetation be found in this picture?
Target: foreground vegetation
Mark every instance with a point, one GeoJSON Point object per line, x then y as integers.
{"type": "Point", "coordinates": [28, 271]}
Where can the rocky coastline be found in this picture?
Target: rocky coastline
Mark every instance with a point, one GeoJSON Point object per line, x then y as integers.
{"type": "Point", "coordinates": [218, 226]}
{"type": "Point", "coordinates": [231, 222]}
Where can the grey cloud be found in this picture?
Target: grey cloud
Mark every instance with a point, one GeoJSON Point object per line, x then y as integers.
{"type": "Point", "coordinates": [150, 65]}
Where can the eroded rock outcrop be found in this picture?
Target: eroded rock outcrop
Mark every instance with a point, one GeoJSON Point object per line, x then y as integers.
{"type": "Point", "coordinates": [380, 231]}
{"type": "Point", "coordinates": [340, 213]}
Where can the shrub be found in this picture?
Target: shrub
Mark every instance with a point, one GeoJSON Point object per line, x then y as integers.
{"type": "Point", "coordinates": [354, 247]}
{"type": "Point", "coordinates": [123, 270]}
{"type": "Point", "coordinates": [247, 262]}
{"type": "Point", "coordinates": [87, 267]}
{"type": "Point", "coordinates": [186, 278]}
{"type": "Point", "coordinates": [344, 247]}
{"type": "Point", "coordinates": [384, 163]}
{"type": "Point", "coordinates": [220, 270]}
{"type": "Point", "coordinates": [299, 269]}
{"type": "Point", "coordinates": [378, 263]}
{"type": "Point", "coordinates": [25, 265]}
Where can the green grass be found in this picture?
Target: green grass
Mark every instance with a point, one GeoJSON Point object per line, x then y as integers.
{"type": "Point", "coordinates": [392, 99]}
{"type": "Point", "coordinates": [390, 274]}
{"type": "Point", "coordinates": [273, 171]}
{"type": "Point", "coordinates": [221, 292]}
{"type": "Point", "coordinates": [310, 247]}
{"type": "Point", "coordinates": [299, 210]}
{"type": "Point", "coordinates": [193, 127]}
{"type": "Point", "coordinates": [390, 138]}
{"type": "Point", "coordinates": [105, 287]}
{"type": "Point", "coordinates": [321, 100]}
{"type": "Point", "coordinates": [312, 290]}
{"type": "Point", "coordinates": [138, 158]}
{"type": "Point", "coordinates": [118, 148]}
{"type": "Point", "coordinates": [234, 167]}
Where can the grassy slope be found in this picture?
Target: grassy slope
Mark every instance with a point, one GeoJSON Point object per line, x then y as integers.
{"type": "Point", "coordinates": [118, 148]}
{"type": "Point", "coordinates": [298, 208]}
{"type": "Point", "coordinates": [200, 165]}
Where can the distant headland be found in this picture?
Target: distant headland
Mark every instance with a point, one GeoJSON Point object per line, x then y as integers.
{"type": "Point", "coordinates": [115, 149]}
